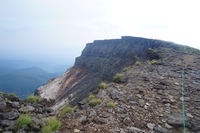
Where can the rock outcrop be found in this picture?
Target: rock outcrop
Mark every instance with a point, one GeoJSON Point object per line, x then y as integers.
{"type": "Point", "coordinates": [99, 61]}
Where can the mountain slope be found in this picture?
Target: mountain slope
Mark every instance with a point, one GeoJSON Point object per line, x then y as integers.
{"type": "Point", "coordinates": [23, 82]}
{"type": "Point", "coordinates": [99, 61]}
{"type": "Point", "coordinates": [147, 99]}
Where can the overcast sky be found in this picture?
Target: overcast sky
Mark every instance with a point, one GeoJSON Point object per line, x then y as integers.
{"type": "Point", "coordinates": [59, 29]}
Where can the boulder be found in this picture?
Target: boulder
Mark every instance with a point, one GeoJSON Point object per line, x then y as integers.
{"type": "Point", "coordinates": [11, 115]}
{"type": "Point", "coordinates": [7, 123]}
{"type": "Point", "coordinates": [36, 124]}
{"type": "Point", "coordinates": [176, 120]}
{"type": "Point", "coordinates": [150, 125]}
{"type": "Point", "coordinates": [26, 109]}
{"type": "Point", "coordinates": [161, 129]}
{"type": "Point", "coordinates": [2, 106]}
{"type": "Point", "coordinates": [15, 104]}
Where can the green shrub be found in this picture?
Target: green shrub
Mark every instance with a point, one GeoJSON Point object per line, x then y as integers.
{"type": "Point", "coordinates": [75, 107]}
{"type": "Point", "coordinates": [126, 69]}
{"type": "Point", "coordinates": [121, 86]}
{"type": "Point", "coordinates": [12, 94]}
{"type": "Point", "coordinates": [52, 125]}
{"type": "Point", "coordinates": [46, 129]}
{"type": "Point", "coordinates": [66, 110]}
{"type": "Point", "coordinates": [33, 98]}
{"type": "Point", "coordinates": [102, 85]}
{"type": "Point", "coordinates": [110, 104]}
{"type": "Point", "coordinates": [23, 121]}
{"type": "Point", "coordinates": [165, 59]}
{"type": "Point", "coordinates": [1, 93]}
{"type": "Point", "coordinates": [90, 97]}
{"type": "Point", "coordinates": [7, 100]}
{"type": "Point", "coordinates": [153, 62]}
{"type": "Point", "coordinates": [95, 102]}
{"type": "Point", "coordinates": [137, 63]}
{"type": "Point", "coordinates": [117, 77]}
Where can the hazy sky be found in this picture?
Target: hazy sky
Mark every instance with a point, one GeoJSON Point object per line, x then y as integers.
{"type": "Point", "coordinates": [59, 29]}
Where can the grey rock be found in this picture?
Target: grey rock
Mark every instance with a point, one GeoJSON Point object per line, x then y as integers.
{"type": "Point", "coordinates": [195, 125]}
{"type": "Point", "coordinates": [2, 106]}
{"type": "Point", "coordinates": [98, 120]}
{"type": "Point", "coordinates": [150, 125]}
{"type": "Point", "coordinates": [127, 121]}
{"type": "Point", "coordinates": [26, 109]}
{"type": "Point", "coordinates": [135, 130]}
{"type": "Point", "coordinates": [49, 110]}
{"type": "Point", "coordinates": [92, 113]}
{"type": "Point", "coordinates": [21, 131]}
{"type": "Point", "coordinates": [104, 115]}
{"type": "Point", "coordinates": [161, 129]}
{"type": "Point", "coordinates": [7, 123]}
{"type": "Point", "coordinates": [123, 79]}
{"type": "Point", "coordinates": [11, 115]}
{"type": "Point", "coordinates": [115, 94]}
{"type": "Point", "coordinates": [176, 120]}
{"type": "Point", "coordinates": [36, 124]}
{"type": "Point", "coordinates": [133, 102]}
{"type": "Point", "coordinates": [15, 104]}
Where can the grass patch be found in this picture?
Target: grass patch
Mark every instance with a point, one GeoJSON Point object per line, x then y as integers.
{"type": "Point", "coordinates": [141, 101]}
{"type": "Point", "coordinates": [66, 110]}
{"type": "Point", "coordinates": [126, 69]}
{"type": "Point", "coordinates": [52, 125]}
{"type": "Point", "coordinates": [23, 121]}
{"type": "Point", "coordinates": [152, 62]}
{"type": "Point", "coordinates": [110, 104]}
{"type": "Point", "coordinates": [165, 59]}
{"type": "Point", "coordinates": [95, 102]}
{"type": "Point", "coordinates": [7, 100]}
{"type": "Point", "coordinates": [1, 93]}
{"type": "Point", "coordinates": [102, 85]}
{"type": "Point", "coordinates": [90, 97]}
{"type": "Point", "coordinates": [12, 94]}
{"type": "Point", "coordinates": [33, 99]}
{"type": "Point", "coordinates": [117, 77]}
{"type": "Point", "coordinates": [121, 86]}
{"type": "Point", "coordinates": [137, 63]}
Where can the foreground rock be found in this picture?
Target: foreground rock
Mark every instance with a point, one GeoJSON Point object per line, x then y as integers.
{"type": "Point", "coordinates": [11, 108]}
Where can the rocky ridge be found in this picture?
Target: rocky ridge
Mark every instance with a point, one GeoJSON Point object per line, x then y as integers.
{"type": "Point", "coordinates": [99, 61]}
{"type": "Point", "coordinates": [147, 99]}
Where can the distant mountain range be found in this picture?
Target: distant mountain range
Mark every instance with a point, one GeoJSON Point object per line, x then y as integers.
{"type": "Point", "coordinates": [23, 81]}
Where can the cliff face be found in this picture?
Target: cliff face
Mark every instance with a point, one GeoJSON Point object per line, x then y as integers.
{"type": "Point", "coordinates": [99, 61]}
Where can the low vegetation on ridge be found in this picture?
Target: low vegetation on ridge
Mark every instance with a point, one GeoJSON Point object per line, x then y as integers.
{"type": "Point", "coordinates": [33, 98]}
{"type": "Point", "coordinates": [102, 85]}
{"type": "Point", "coordinates": [53, 124]}
{"type": "Point", "coordinates": [66, 110]}
{"type": "Point", "coordinates": [23, 121]}
{"type": "Point", "coordinates": [95, 102]}
{"type": "Point", "coordinates": [117, 77]}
